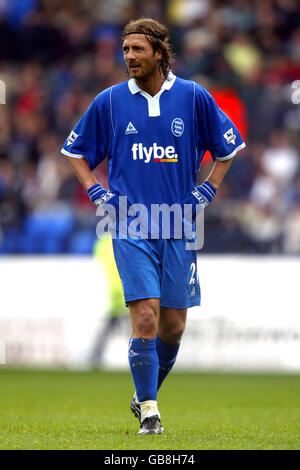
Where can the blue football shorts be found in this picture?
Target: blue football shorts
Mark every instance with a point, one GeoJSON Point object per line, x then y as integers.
{"type": "Point", "coordinates": [162, 269]}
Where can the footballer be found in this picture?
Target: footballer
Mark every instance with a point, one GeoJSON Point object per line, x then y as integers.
{"type": "Point", "coordinates": [153, 129]}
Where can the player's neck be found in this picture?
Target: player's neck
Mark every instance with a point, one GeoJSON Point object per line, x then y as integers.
{"type": "Point", "coordinates": [151, 84]}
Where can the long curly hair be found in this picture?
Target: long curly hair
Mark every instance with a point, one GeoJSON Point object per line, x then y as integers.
{"type": "Point", "coordinates": [158, 36]}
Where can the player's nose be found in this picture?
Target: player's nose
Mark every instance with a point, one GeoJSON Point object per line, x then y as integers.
{"type": "Point", "coordinates": [130, 54]}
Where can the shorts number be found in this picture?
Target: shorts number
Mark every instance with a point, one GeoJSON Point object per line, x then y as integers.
{"type": "Point", "coordinates": [193, 269]}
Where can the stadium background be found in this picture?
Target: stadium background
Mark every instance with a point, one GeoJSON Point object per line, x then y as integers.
{"type": "Point", "coordinates": [55, 56]}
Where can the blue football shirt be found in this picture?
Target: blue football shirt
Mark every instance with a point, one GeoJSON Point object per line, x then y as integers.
{"type": "Point", "coordinates": [154, 144]}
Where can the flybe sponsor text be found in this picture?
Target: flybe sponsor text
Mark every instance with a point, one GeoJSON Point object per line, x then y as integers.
{"type": "Point", "coordinates": [157, 152]}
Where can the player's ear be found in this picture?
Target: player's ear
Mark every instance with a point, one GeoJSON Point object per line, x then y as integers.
{"type": "Point", "coordinates": [158, 54]}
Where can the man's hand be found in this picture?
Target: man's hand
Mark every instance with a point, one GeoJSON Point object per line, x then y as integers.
{"type": "Point", "coordinates": [204, 193]}
{"type": "Point", "coordinates": [201, 195]}
{"type": "Point", "coordinates": [100, 196]}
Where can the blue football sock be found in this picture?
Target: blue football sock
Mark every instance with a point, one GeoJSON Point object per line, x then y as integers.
{"type": "Point", "coordinates": [167, 354]}
{"type": "Point", "coordinates": [143, 361]}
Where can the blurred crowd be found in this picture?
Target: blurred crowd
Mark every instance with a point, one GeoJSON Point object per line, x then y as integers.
{"type": "Point", "coordinates": [56, 55]}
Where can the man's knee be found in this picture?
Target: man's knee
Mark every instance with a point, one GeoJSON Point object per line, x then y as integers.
{"type": "Point", "coordinates": [172, 332]}
{"type": "Point", "coordinates": [144, 318]}
{"type": "Point", "coordinates": [145, 322]}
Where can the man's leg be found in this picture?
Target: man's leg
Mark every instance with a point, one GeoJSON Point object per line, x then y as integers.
{"type": "Point", "coordinates": [142, 354]}
{"type": "Point", "coordinates": [170, 329]}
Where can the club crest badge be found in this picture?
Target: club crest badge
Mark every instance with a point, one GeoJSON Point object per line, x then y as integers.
{"type": "Point", "coordinates": [177, 127]}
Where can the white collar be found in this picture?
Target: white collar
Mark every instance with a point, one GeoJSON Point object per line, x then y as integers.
{"type": "Point", "coordinates": [167, 85]}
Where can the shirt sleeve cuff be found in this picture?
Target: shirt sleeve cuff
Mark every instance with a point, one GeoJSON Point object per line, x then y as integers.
{"type": "Point", "coordinates": [232, 154]}
{"type": "Point", "coordinates": [72, 155]}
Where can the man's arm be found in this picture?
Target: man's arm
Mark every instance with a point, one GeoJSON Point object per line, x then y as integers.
{"type": "Point", "coordinates": [82, 171]}
{"type": "Point", "coordinates": [98, 195]}
{"type": "Point", "coordinates": [204, 193]}
{"type": "Point", "coordinates": [218, 172]}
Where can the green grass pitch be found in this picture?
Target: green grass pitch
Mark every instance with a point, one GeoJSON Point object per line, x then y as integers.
{"type": "Point", "coordinates": [90, 410]}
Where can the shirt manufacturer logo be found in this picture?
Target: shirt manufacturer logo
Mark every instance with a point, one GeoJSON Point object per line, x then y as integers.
{"type": "Point", "coordinates": [177, 127]}
{"type": "Point", "coordinates": [131, 129]}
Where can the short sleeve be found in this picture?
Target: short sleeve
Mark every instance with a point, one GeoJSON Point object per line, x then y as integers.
{"type": "Point", "coordinates": [214, 129]}
{"type": "Point", "coordinates": [89, 138]}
